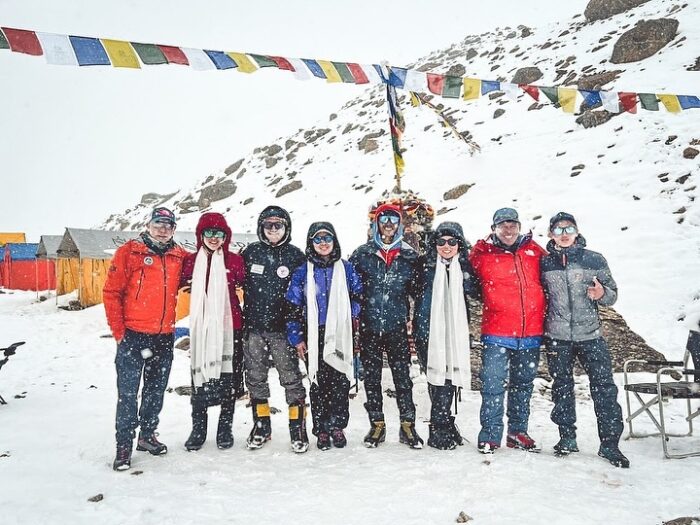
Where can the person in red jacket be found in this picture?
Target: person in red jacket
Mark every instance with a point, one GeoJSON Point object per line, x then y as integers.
{"type": "Point", "coordinates": [507, 266]}
{"type": "Point", "coordinates": [216, 322]}
{"type": "Point", "coordinates": [140, 296]}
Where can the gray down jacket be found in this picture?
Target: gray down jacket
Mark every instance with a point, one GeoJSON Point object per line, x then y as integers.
{"type": "Point", "coordinates": [566, 275]}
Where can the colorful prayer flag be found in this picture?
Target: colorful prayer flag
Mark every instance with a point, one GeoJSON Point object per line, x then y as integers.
{"type": "Point", "coordinates": [314, 67]}
{"type": "Point", "coordinates": [487, 86]}
{"type": "Point", "coordinates": [590, 98]}
{"type": "Point", "coordinates": [435, 83]}
{"type": "Point", "coordinates": [4, 44]}
{"type": "Point", "coordinates": [415, 101]}
{"type": "Point", "coordinates": [452, 87]}
{"type": "Point", "coordinates": [372, 73]}
{"type": "Point", "coordinates": [23, 41]}
{"type": "Point", "coordinates": [263, 61]}
{"type": "Point", "coordinates": [358, 73]}
{"type": "Point", "coordinates": [330, 71]}
{"type": "Point", "coordinates": [512, 91]}
{"type": "Point", "coordinates": [245, 65]}
{"type": "Point", "coordinates": [628, 101]}
{"type": "Point", "coordinates": [397, 77]}
{"type": "Point", "coordinates": [89, 51]}
{"type": "Point", "coordinates": [551, 93]}
{"type": "Point", "coordinates": [173, 55]}
{"type": "Point", "coordinates": [282, 63]}
{"type": "Point", "coordinates": [396, 126]}
{"type": "Point", "coordinates": [611, 101]}
{"type": "Point", "coordinates": [671, 103]}
{"type": "Point", "coordinates": [649, 101]}
{"type": "Point", "coordinates": [344, 72]}
{"type": "Point", "coordinates": [472, 88]}
{"type": "Point", "coordinates": [57, 49]}
{"type": "Point", "coordinates": [301, 71]}
{"type": "Point", "coordinates": [533, 91]}
{"type": "Point", "coordinates": [567, 99]}
{"type": "Point", "coordinates": [689, 101]}
{"type": "Point", "coordinates": [198, 59]}
{"type": "Point", "coordinates": [416, 81]}
{"type": "Point", "coordinates": [221, 60]}
{"type": "Point", "coordinates": [121, 53]}
{"type": "Point", "coordinates": [150, 54]}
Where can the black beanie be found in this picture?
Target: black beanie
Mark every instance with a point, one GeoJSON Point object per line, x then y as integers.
{"type": "Point", "coordinates": [561, 216]}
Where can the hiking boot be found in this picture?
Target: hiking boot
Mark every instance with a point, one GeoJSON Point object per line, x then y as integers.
{"type": "Point", "coordinates": [409, 436]}
{"type": "Point", "coordinates": [297, 428]}
{"type": "Point", "coordinates": [376, 434]}
{"type": "Point", "coordinates": [324, 440]}
{"type": "Point", "coordinates": [122, 461]}
{"type": "Point", "coordinates": [522, 441]}
{"type": "Point", "coordinates": [488, 447]}
{"type": "Point", "coordinates": [149, 443]}
{"type": "Point", "coordinates": [224, 431]}
{"type": "Point", "coordinates": [261, 432]}
{"type": "Point", "coordinates": [456, 436]}
{"type": "Point", "coordinates": [338, 437]}
{"type": "Point", "coordinates": [440, 437]}
{"type": "Point", "coordinates": [614, 456]}
{"type": "Point", "coordinates": [199, 430]}
{"type": "Point", "coordinates": [565, 446]}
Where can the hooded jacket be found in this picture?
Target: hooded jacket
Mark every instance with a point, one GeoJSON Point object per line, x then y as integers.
{"type": "Point", "coordinates": [235, 268]}
{"type": "Point", "coordinates": [323, 275]}
{"type": "Point", "coordinates": [513, 314]}
{"type": "Point", "coordinates": [566, 275]}
{"type": "Point", "coordinates": [140, 293]}
{"type": "Point", "coordinates": [388, 278]}
{"type": "Point", "coordinates": [425, 296]}
{"type": "Point", "coordinates": [268, 271]}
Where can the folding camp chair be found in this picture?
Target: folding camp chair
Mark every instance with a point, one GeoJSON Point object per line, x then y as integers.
{"type": "Point", "coordinates": [661, 392]}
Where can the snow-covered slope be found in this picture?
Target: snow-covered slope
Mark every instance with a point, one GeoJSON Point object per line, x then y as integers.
{"type": "Point", "coordinates": [626, 180]}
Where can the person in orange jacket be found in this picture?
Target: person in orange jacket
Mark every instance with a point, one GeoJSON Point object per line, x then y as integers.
{"type": "Point", "coordinates": [140, 296]}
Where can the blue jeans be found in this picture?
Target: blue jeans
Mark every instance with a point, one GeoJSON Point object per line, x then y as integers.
{"type": "Point", "coordinates": [515, 369]}
{"type": "Point", "coordinates": [130, 365]}
{"type": "Point", "coordinates": [595, 359]}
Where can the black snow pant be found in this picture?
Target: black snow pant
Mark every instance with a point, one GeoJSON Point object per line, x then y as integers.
{"type": "Point", "coordinates": [441, 398]}
{"type": "Point", "coordinates": [395, 344]}
{"type": "Point", "coordinates": [329, 395]}
{"type": "Point", "coordinates": [693, 346]}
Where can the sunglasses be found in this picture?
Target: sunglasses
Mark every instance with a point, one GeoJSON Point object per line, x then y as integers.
{"type": "Point", "coordinates": [386, 219]}
{"type": "Point", "coordinates": [327, 239]}
{"type": "Point", "coordinates": [211, 233]}
{"type": "Point", "coordinates": [272, 226]}
{"type": "Point", "coordinates": [560, 231]}
{"type": "Point", "coordinates": [443, 242]}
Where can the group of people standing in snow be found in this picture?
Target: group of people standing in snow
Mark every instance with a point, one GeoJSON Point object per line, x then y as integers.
{"type": "Point", "coordinates": [320, 308]}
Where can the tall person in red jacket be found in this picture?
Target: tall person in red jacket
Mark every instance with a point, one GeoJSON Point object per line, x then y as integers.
{"type": "Point", "coordinates": [507, 266]}
{"type": "Point", "coordinates": [216, 322]}
{"type": "Point", "coordinates": [140, 296]}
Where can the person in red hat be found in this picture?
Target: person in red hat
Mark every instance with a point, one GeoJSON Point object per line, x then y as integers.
{"type": "Point", "coordinates": [140, 296]}
{"type": "Point", "coordinates": [216, 345]}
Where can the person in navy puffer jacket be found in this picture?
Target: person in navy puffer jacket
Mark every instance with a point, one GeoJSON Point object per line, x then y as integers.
{"type": "Point", "coordinates": [322, 317]}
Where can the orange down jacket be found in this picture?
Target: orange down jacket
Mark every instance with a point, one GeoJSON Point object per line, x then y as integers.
{"type": "Point", "coordinates": [140, 293]}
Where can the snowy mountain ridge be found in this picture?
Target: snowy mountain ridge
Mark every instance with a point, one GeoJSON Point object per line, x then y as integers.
{"type": "Point", "coordinates": [627, 180]}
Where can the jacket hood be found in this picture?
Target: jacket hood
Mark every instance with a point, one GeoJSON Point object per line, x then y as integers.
{"type": "Point", "coordinates": [213, 220]}
{"type": "Point", "coordinates": [398, 236]}
{"type": "Point", "coordinates": [311, 252]}
{"type": "Point", "coordinates": [275, 211]}
{"type": "Point", "coordinates": [448, 228]}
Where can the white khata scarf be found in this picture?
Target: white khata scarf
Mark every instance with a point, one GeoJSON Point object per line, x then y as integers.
{"type": "Point", "coordinates": [337, 341]}
{"type": "Point", "coordinates": [211, 323]}
{"type": "Point", "coordinates": [448, 340]}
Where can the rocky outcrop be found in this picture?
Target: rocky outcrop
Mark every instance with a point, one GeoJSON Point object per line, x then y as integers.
{"type": "Point", "coordinates": [602, 9]}
{"type": "Point", "coordinates": [591, 119]}
{"type": "Point", "coordinates": [596, 81]}
{"type": "Point", "coordinates": [368, 143]}
{"type": "Point", "coordinates": [216, 192]}
{"type": "Point", "coordinates": [233, 167]}
{"type": "Point", "coordinates": [527, 75]}
{"type": "Point", "coordinates": [644, 40]}
{"type": "Point", "coordinates": [457, 192]}
{"type": "Point", "coordinates": [288, 188]}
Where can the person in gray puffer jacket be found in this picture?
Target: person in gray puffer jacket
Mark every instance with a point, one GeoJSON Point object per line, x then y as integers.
{"type": "Point", "coordinates": [576, 280]}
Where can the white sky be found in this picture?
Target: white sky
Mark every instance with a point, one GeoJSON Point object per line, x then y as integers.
{"type": "Point", "coordinates": [77, 144]}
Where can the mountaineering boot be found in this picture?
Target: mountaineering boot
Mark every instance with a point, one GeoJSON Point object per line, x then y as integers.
{"type": "Point", "coordinates": [297, 428]}
{"type": "Point", "coordinates": [488, 447]}
{"type": "Point", "coordinates": [149, 443]}
{"type": "Point", "coordinates": [224, 432]}
{"type": "Point", "coordinates": [440, 437]}
{"type": "Point", "coordinates": [456, 436]}
{"type": "Point", "coordinates": [565, 446]}
{"type": "Point", "coordinates": [409, 436]}
{"type": "Point", "coordinates": [376, 434]}
{"type": "Point", "coordinates": [522, 441]}
{"type": "Point", "coordinates": [338, 437]}
{"type": "Point", "coordinates": [122, 460]}
{"type": "Point", "coordinates": [612, 453]}
{"type": "Point", "coordinates": [262, 429]}
{"type": "Point", "coordinates": [323, 440]}
{"type": "Point", "coordinates": [199, 429]}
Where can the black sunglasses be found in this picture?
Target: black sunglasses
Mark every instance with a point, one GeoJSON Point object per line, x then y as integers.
{"type": "Point", "coordinates": [443, 242]}
{"type": "Point", "coordinates": [271, 226]}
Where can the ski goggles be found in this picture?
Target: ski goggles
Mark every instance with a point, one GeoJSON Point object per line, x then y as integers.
{"type": "Point", "coordinates": [273, 225]}
{"type": "Point", "coordinates": [211, 233]}
{"type": "Point", "coordinates": [450, 242]}
{"type": "Point", "coordinates": [326, 239]}
{"type": "Point", "coordinates": [389, 218]}
{"type": "Point", "coordinates": [569, 230]}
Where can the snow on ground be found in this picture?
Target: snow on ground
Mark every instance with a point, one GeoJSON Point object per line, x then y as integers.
{"type": "Point", "coordinates": [57, 444]}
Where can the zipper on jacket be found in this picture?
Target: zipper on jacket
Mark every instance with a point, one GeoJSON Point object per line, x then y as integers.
{"type": "Point", "coordinates": [519, 272]}
{"type": "Point", "coordinates": [138, 290]}
{"type": "Point", "coordinates": [568, 293]}
{"type": "Point", "coordinates": [165, 291]}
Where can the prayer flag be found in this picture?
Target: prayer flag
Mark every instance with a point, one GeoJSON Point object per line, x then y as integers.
{"type": "Point", "coordinates": [121, 53]}
{"type": "Point", "coordinates": [57, 49]}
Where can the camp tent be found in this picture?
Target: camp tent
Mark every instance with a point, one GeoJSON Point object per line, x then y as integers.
{"type": "Point", "coordinates": [84, 257]}
{"type": "Point", "coordinates": [47, 251]}
{"type": "Point", "coordinates": [21, 268]}
{"type": "Point", "coordinates": [6, 237]}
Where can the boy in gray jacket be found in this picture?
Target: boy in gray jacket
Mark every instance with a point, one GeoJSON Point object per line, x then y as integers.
{"type": "Point", "coordinates": [576, 281]}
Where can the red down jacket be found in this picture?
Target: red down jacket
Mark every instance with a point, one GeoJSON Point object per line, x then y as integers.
{"type": "Point", "coordinates": [514, 303]}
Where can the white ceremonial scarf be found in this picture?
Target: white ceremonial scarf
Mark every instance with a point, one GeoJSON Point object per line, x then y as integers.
{"type": "Point", "coordinates": [337, 341]}
{"type": "Point", "coordinates": [211, 322]}
{"type": "Point", "coordinates": [448, 340]}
